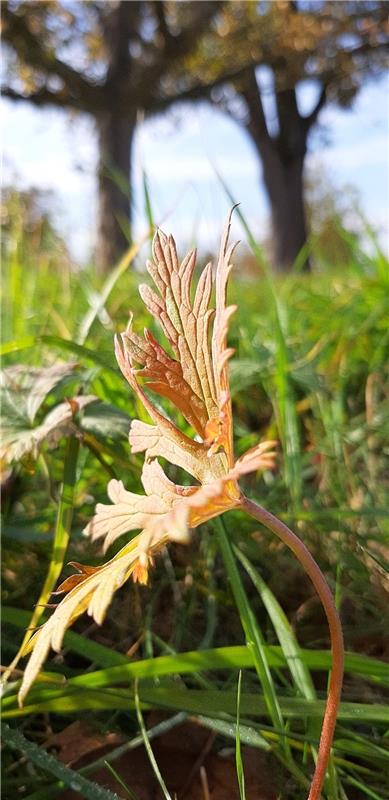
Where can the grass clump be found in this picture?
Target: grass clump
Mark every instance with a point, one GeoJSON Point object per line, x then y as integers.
{"type": "Point", "coordinates": [310, 370]}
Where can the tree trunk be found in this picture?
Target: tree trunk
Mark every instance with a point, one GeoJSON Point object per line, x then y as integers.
{"type": "Point", "coordinates": [285, 190]}
{"type": "Point", "coordinates": [116, 132]}
{"type": "Point", "coordinates": [282, 159]}
{"type": "Point", "coordinates": [286, 195]}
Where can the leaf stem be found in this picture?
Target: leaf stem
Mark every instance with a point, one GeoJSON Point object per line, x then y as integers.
{"type": "Point", "coordinates": [335, 686]}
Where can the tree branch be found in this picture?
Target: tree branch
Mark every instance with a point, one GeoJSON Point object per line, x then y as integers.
{"type": "Point", "coordinates": [120, 25]}
{"type": "Point", "coordinates": [43, 97]}
{"type": "Point", "coordinates": [256, 124]}
{"type": "Point", "coordinates": [144, 80]}
{"type": "Point", "coordinates": [167, 37]}
{"type": "Point", "coordinates": [312, 117]}
{"type": "Point", "coordinates": [199, 91]}
{"type": "Point", "coordinates": [17, 33]}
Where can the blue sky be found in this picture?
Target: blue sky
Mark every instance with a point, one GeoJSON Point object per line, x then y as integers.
{"type": "Point", "coordinates": [57, 151]}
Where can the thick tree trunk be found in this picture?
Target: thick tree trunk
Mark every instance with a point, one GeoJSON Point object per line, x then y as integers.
{"type": "Point", "coordinates": [286, 194]}
{"type": "Point", "coordinates": [116, 131]}
{"type": "Point", "coordinates": [285, 190]}
{"type": "Point", "coordinates": [282, 158]}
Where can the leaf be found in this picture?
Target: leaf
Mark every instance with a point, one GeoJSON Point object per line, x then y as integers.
{"type": "Point", "coordinates": [220, 352]}
{"type": "Point", "coordinates": [261, 456]}
{"type": "Point", "coordinates": [92, 588]}
{"type": "Point", "coordinates": [105, 421]}
{"type": "Point", "coordinates": [133, 511]}
{"type": "Point", "coordinates": [19, 441]}
{"type": "Point", "coordinates": [185, 324]}
{"type": "Point", "coordinates": [166, 441]}
{"type": "Point", "coordinates": [196, 381]}
{"type": "Point", "coordinates": [165, 376]}
{"type": "Point", "coordinates": [90, 591]}
{"type": "Point", "coordinates": [27, 387]}
{"type": "Point", "coordinates": [95, 652]}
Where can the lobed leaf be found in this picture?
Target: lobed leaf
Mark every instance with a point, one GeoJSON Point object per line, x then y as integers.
{"type": "Point", "coordinates": [196, 381]}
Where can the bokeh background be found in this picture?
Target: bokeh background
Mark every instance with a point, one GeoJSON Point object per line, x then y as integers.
{"type": "Point", "coordinates": [163, 71]}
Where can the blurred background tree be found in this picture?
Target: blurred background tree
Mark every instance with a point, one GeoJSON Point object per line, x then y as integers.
{"type": "Point", "coordinates": [336, 46]}
{"type": "Point", "coordinates": [118, 60]}
{"type": "Point", "coordinates": [108, 60]}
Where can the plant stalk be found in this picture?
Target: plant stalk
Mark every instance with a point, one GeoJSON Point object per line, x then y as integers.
{"type": "Point", "coordinates": [335, 687]}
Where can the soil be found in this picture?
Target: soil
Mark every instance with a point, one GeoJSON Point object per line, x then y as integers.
{"type": "Point", "coordinates": [190, 762]}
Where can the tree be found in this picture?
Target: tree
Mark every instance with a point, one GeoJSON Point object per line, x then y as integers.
{"type": "Point", "coordinates": [109, 60]}
{"type": "Point", "coordinates": [114, 60]}
{"type": "Point", "coordinates": [336, 45]}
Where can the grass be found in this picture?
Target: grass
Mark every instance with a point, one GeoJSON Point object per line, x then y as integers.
{"type": "Point", "coordinates": [310, 369]}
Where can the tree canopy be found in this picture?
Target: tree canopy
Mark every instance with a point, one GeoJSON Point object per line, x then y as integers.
{"type": "Point", "coordinates": [334, 46]}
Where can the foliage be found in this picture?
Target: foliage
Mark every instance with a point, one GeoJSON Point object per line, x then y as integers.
{"type": "Point", "coordinates": [337, 45]}
{"type": "Point", "coordinates": [325, 400]}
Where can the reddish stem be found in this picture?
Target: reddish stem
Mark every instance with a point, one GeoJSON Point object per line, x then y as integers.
{"type": "Point", "coordinates": [335, 688]}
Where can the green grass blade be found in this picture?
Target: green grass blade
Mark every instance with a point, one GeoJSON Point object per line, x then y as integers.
{"type": "Point", "coordinates": [361, 785]}
{"type": "Point", "coordinates": [248, 734]}
{"type": "Point", "coordinates": [147, 745]}
{"type": "Point", "coordinates": [46, 762]}
{"type": "Point", "coordinates": [67, 345]}
{"type": "Point", "coordinates": [120, 781]}
{"type": "Point", "coordinates": [254, 637]}
{"type": "Point", "coordinates": [109, 284]}
{"type": "Point", "coordinates": [13, 346]}
{"type": "Point", "coordinates": [147, 201]}
{"type": "Point", "coordinates": [205, 702]}
{"type": "Point", "coordinates": [119, 668]}
{"type": "Point", "coordinates": [290, 647]}
{"type": "Point", "coordinates": [197, 701]}
{"type": "Point", "coordinates": [157, 730]}
{"type": "Point", "coordinates": [238, 752]}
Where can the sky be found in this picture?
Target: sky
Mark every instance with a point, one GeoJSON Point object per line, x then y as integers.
{"type": "Point", "coordinates": [56, 151]}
